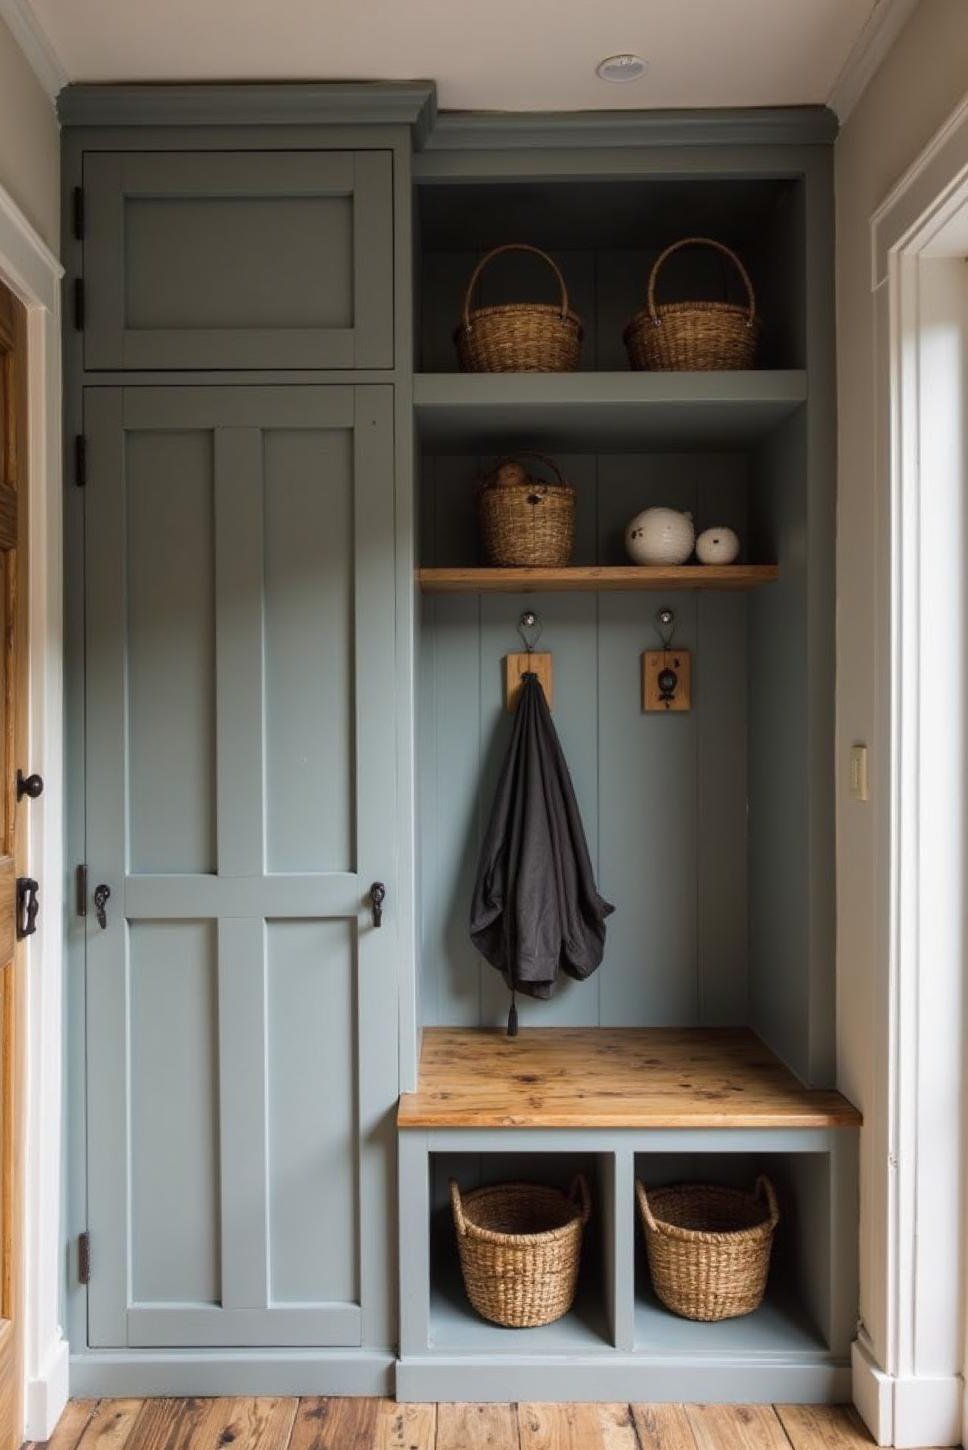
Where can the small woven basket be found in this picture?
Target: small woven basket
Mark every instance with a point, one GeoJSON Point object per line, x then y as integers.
{"type": "Point", "coordinates": [518, 337]}
{"type": "Point", "coordinates": [709, 1246]}
{"type": "Point", "coordinates": [693, 336]}
{"type": "Point", "coordinates": [520, 1249]}
{"type": "Point", "coordinates": [526, 523]}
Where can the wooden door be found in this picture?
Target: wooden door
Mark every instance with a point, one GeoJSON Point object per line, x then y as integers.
{"type": "Point", "coordinates": [13, 720]}
{"type": "Point", "coordinates": [241, 1003]}
{"type": "Point", "coordinates": [238, 259]}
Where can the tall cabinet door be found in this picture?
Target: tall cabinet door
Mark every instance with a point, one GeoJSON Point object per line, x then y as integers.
{"type": "Point", "coordinates": [241, 996]}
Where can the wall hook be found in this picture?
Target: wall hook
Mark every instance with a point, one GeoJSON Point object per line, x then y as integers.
{"type": "Point", "coordinates": [665, 626]}
{"type": "Point", "coordinates": [529, 628]}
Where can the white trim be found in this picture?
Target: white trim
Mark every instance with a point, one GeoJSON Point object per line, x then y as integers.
{"type": "Point", "coordinates": [884, 24]}
{"type": "Point", "coordinates": [873, 1392]}
{"type": "Point", "coordinates": [916, 1123]}
{"type": "Point", "coordinates": [36, 44]}
{"type": "Point", "coordinates": [33, 273]}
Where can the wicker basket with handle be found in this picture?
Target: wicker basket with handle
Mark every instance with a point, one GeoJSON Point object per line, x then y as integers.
{"type": "Point", "coordinates": [693, 336]}
{"type": "Point", "coordinates": [518, 337]}
{"type": "Point", "coordinates": [526, 522]}
{"type": "Point", "coordinates": [709, 1246]}
{"type": "Point", "coordinates": [520, 1249]}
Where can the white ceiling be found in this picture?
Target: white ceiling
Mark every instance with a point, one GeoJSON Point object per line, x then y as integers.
{"type": "Point", "coordinates": [484, 54]}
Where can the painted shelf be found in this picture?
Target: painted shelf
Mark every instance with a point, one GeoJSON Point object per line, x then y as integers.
{"type": "Point", "coordinates": [602, 412]}
{"type": "Point", "coordinates": [611, 1077]}
{"type": "Point", "coordinates": [780, 1327]}
{"type": "Point", "coordinates": [587, 579]}
{"type": "Point", "coordinates": [456, 1327]}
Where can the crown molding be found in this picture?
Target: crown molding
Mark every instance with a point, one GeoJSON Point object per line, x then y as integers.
{"type": "Point", "coordinates": [36, 45]}
{"type": "Point", "coordinates": [214, 103]}
{"type": "Point", "coordinates": [739, 126]}
{"type": "Point", "coordinates": [884, 24]}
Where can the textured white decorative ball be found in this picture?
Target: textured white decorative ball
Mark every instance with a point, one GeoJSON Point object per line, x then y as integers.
{"type": "Point", "coordinates": [660, 536]}
{"type": "Point", "coordinates": [717, 546]}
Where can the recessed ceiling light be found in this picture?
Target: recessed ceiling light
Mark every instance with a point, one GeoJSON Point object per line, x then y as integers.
{"type": "Point", "coordinates": [626, 67]}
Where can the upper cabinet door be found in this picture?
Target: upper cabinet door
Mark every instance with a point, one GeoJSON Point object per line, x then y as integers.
{"type": "Point", "coordinates": [238, 259]}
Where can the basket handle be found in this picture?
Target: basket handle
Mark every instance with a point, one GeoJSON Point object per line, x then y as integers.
{"type": "Point", "coordinates": [496, 252]}
{"type": "Point", "coordinates": [458, 1208]}
{"type": "Point", "coordinates": [766, 1191]}
{"type": "Point", "coordinates": [644, 1205]}
{"type": "Point", "coordinates": [581, 1197]}
{"type": "Point", "coordinates": [531, 453]}
{"type": "Point", "coordinates": [699, 242]}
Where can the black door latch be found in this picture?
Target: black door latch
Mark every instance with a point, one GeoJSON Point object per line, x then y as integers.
{"type": "Point", "coordinates": [27, 906]}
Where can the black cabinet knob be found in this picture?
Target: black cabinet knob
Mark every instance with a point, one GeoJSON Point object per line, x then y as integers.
{"type": "Point", "coordinates": [32, 785]}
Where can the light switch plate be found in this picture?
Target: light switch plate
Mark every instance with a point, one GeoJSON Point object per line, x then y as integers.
{"type": "Point", "coordinates": [859, 781]}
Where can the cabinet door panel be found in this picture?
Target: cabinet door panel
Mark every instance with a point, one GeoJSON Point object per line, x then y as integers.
{"type": "Point", "coordinates": [238, 259]}
{"type": "Point", "coordinates": [240, 741]}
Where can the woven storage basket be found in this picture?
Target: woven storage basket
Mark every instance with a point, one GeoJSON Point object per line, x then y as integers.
{"type": "Point", "coordinates": [520, 1248]}
{"type": "Point", "coordinates": [709, 1246]}
{"type": "Point", "coordinates": [693, 336]}
{"type": "Point", "coordinates": [518, 337]}
{"type": "Point", "coordinates": [526, 522]}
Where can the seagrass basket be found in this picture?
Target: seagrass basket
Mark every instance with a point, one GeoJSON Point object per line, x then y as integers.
{"type": "Point", "coordinates": [526, 522]}
{"type": "Point", "coordinates": [693, 336]}
{"type": "Point", "coordinates": [520, 1249]}
{"type": "Point", "coordinates": [518, 337]}
{"type": "Point", "coordinates": [709, 1246]}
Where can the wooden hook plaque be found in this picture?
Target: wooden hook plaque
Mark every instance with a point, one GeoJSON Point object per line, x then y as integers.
{"type": "Point", "coordinates": [519, 664]}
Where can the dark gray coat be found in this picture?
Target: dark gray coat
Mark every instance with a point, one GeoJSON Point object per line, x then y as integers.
{"type": "Point", "coordinates": [536, 910]}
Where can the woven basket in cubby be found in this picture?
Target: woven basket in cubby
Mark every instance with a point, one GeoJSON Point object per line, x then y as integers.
{"type": "Point", "coordinates": [693, 336]}
{"type": "Point", "coordinates": [518, 337]}
{"type": "Point", "coordinates": [709, 1246]}
{"type": "Point", "coordinates": [526, 522]}
{"type": "Point", "coordinates": [520, 1249]}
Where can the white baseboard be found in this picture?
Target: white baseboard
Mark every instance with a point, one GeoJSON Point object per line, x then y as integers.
{"type": "Point", "coordinates": [906, 1412]}
{"type": "Point", "coordinates": [46, 1395]}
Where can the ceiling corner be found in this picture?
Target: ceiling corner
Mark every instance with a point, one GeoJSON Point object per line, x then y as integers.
{"type": "Point", "coordinates": [36, 45]}
{"type": "Point", "coordinates": [884, 24]}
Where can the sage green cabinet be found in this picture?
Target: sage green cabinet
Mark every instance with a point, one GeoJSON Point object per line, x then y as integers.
{"type": "Point", "coordinates": [241, 1001]}
{"type": "Point", "coordinates": [238, 259]}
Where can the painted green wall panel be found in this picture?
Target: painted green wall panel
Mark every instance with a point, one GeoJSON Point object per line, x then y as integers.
{"type": "Point", "coordinates": [173, 1047]}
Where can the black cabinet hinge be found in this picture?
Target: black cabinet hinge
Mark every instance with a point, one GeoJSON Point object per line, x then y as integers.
{"type": "Point", "coordinates": [78, 213]}
{"type": "Point", "coordinates": [84, 1258]}
{"type": "Point", "coordinates": [79, 303]}
{"type": "Point", "coordinates": [80, 460]}
{"type": "Point", "coordinates": [80, 890]}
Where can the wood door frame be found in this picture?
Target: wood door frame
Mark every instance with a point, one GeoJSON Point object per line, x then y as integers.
{"type": "Point", "coordinates": [32, 273]}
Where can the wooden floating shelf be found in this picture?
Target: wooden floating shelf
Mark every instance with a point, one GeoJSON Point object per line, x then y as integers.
{"type": "Point", "coordinates": [611, 1077]}
{"type": "Point", "coordinates": [587, 579]}
{"type": "Point", "coordinates": [602, 412]}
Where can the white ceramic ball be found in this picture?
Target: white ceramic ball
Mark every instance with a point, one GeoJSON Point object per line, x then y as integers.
{"type": "Point", "coordinates": [717, 546]}
{"type": "Point", "coordinates": [660, 536]}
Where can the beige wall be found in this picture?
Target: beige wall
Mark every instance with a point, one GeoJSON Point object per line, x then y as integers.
{"type": "Point", "coordinates": [29, 144]}
{"type": "Point", "coordinates": [922, 80]}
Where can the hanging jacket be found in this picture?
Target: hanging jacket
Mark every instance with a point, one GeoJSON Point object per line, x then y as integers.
{"type": "Point", "coordinates": [536, 910]}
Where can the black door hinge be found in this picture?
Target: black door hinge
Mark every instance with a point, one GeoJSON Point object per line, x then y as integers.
{"type": "Point", "coordinates": [79, 303]}
{"type": "Point", "coordinates": [79, 213]}
{"type": "Point", "coordinates": [84, 1258]}
{"type": "Point", "coordinates": [80, 460]}
{"type": "Point", "coordinates": [80, 890]}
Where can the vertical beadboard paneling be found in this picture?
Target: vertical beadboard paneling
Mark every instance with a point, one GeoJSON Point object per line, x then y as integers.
{"type": "Point", "coordinates": [663, 798]}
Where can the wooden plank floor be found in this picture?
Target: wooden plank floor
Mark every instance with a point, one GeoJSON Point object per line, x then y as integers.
{"type": "Point", "coordinates": [370, 1424]}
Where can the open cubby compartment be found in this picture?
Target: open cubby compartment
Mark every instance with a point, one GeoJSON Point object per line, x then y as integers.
{"type": "Point", "coordinates": [605, 234]}
{"type": "Point", "coordinates": [797, 1316]}
{"type": "Point", "coordinates": [454, 1325]}
{"type": "Point", "coordinates": [699, 824]}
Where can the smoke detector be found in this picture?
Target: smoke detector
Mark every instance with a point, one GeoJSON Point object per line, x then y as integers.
{"type": "Point", "coordinates": [626, 67]}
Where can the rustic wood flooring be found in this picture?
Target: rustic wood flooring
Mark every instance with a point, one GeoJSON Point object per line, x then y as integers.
{"type": "Point", "coordinates": [371, 1424]}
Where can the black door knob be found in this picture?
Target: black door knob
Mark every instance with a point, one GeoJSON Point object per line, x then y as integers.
{"type": "Point", "coordinates": [102, 895]}
{"type": "Point", "coordinates": [32, 785]}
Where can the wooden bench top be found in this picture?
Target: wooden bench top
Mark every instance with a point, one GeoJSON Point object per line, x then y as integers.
{"type": "Point", "coordinates": [609, 1077]}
